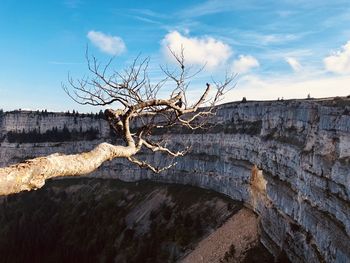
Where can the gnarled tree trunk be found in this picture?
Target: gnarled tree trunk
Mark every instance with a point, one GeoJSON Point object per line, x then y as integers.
{"type": "Point", "coordinates": [31, 174]}
{"type": "Point", "coordinates": [138, 97]}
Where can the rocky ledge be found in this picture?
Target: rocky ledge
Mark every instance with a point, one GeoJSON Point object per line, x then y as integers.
{"type": "Point", "coordinates": [289, 161]}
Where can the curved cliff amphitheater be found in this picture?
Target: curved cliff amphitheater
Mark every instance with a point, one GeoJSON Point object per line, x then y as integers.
{"type": "Point", "coordinates": [288, 161]}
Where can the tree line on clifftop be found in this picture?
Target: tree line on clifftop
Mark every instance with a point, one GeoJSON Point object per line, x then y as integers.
{"type": "Point", "coordinates": [53, 135]}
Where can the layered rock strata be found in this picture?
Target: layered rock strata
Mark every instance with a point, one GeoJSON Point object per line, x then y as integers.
{"type": "Point", "coordinates": [287, 160]}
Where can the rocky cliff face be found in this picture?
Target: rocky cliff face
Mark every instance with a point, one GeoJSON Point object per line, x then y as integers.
{"type": "Point", "coordinates": [25, 134]}
{"type": "Point", "coordinates": [287, 160]}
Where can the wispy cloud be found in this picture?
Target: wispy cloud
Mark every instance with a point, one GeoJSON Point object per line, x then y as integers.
{"type": "Point", "coordinates": [267, 39]}
{"type": "Point", "coordinates": [276, 38]}
{"type": "Point", "coordinates": [147, 20]}
{"type": "Point", "coordinates": [144, 15]}
{"type": "Point", "coordinates": [259, 40]}
{"type": "Point", "coordinates": [312, 4]}
{"type": "Point", "coordinates": [53, 62]}
{"type": "Point", "coordinates": [338, 19]}
{"type": "Point", "coordinates": [244, 64]}
{"type": "Point", "coordinates": [148, 13]}
{"type": "Point", "coordinates": [72, 3]}
{"type": "Point", "coordinates": [287, 52]}
{"type": "Point", "coordinates": [285, 13]}
{"type": "Point", "coordinates": [217, 6]}
{"type": "Point", "coordinates": [197, 50]}
{"type": "Point", "coordinates": [112, 45]}
{"type": "Point", "coordinates": [210, 7]}
{"type": "Point", "coordinates": [339, 61]}
{"type": "Point", "coordinates": [293, 63]}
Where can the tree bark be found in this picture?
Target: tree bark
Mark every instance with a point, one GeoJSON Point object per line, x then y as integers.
{"type": "Point", "coordinates": [31, 174]}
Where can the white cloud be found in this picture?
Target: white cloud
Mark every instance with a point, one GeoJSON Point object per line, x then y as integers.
{"type": "Point", "coordinates": [198, 51]}
{"type": "Point", "coordinates": [112, 45]}
{"type": "Point", "coordinates": [339, 61]}
{"type": "Point", "coordinates": [244, 64]}
{"type": "Point", "coordinates": [255, 87]}
{"type": "Point", "coordinates": [293, 63]}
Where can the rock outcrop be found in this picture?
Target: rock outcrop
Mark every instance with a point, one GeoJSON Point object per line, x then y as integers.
{"type": "Point", "coordinates": [287, 160]}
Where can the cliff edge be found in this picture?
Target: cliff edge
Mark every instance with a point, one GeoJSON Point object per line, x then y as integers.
{"type": "Point", "coordinates": [289, 161]}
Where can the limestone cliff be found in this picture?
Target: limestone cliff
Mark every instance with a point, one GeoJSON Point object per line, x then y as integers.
{"type": "Point", "coordinates": [287, 160]}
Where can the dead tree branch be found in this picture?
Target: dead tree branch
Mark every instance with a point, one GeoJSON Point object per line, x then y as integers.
{"type": "Point", "coordinates": [139, 114]}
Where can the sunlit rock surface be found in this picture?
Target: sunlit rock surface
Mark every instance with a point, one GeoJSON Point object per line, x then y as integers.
{"type": "Point", "coordinates": [287, 160]}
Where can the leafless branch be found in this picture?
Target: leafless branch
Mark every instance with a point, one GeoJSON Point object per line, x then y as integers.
{"type": "Point", "coordinates": [142, 111]}
{"type": "Point", "coordinates": [137, 115]}
{"type": "Point", "coordinates": [144, 164]}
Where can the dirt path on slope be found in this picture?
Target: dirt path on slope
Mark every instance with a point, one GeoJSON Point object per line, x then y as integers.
{"type": "Point", "coordinates": [241, 231]}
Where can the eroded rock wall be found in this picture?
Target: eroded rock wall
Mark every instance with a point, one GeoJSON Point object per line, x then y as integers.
{"type": "Point", "coordinates": [287, 160]}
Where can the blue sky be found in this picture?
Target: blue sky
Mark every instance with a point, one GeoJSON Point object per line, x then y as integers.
{"type": "Point", "coordinates": [286, 48]}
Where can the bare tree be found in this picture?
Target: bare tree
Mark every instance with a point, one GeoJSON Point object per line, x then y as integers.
{"type": "Point", "coordinates": [140, 112]}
